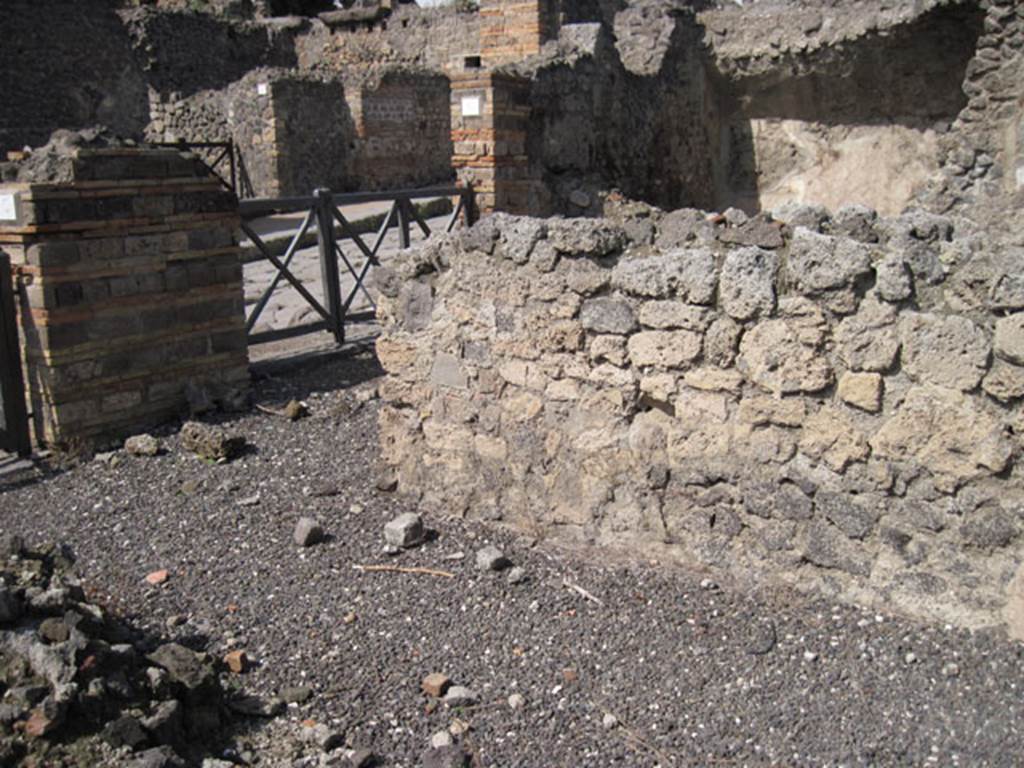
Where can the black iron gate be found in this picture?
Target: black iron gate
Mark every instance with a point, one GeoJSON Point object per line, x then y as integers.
{"type": "Point", "coordinates": [14, 435]}
{"type": "Point", "coordinates": [323, 211]}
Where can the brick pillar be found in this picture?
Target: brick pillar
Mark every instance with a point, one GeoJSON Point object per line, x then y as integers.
{"type": "Point", "coordinates": [131, 288]}
{"type": "Point", "coordinates": [511, 30]}
{"type": "Point", "coordinates": [490, 118]}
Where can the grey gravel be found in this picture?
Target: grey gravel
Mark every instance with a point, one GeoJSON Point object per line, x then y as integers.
{"type": "Point", "coordinates": [670, 660]}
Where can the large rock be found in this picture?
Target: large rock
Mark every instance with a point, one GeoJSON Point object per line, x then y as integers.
{"type": "Point", "coordinates": [1004, 381]}
{"type": "Point", "coordinates": [665, 349]}
{"type": "Point", "coordinates": [831, 437]}
{"type": "Point", "coordinates": [820, 265]}
{"type": "Point", "coordinates": [945, 351]}
{"type": "Point", "coordinates": [746, 287]}
{"type": "Point", "coordinates": [607, 315]}
{"type": "Point", "coordinates": [784, 355]}
{"type": "Point", "coordinates": [210, 443]}
{"type": "Point", "coordinates": [688, 274]}
{"type": "Point", "coordinates": [944, 431]}
{"type": "Point", "coordinates": [674, 314]}
{"type": "Point", "coordinates": [868, 341]}
{"type": "Point", "coordinates": [1009, 338]}
{"type": "Point", "coordinates": [585, 237]}
{"type": "Point", "coordinates": [183, 665]}
{"type": "Point", "coordinates": [893, 279]}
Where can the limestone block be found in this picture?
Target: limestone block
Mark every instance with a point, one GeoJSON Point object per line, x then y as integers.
{"type": "Point", "coordinates": [694, 406]}
{"type": "Point", "coordinates": [489, 447]}
{"type": "Point", "coordinates": [523, 406]}
{"type": "Point", "coordinates": [660, 386]}
{"type": "Point", "coordinates": [585, 237]}
{"type": "Point", "coordinates": [1008, 341]}
{"type": "Point", "coordinates": [674, 314]}
{"type": "Point", "coordinates": [688, 274]}
{"type": "Point", "coordinates": [862, 390]}
{"type": "Point", "coordinates": [785, 412]}
{"type": "Point", "coordinates": [868, 340]}
{"type": "Point", "coordinates": [587, 278]}
{"type": "Point", "coordinates": [946, 351]}
{"type": "Point", "coordinates": [943, 430]}
{"type": "Point", "coordinates": [610, 375]}
{"type": "Point", "coordinates": [562, 389]}
{"type": "Point", "coordinates": [721, 340]}
{"type": "Point", "coordinates": [610, 348]}
{"type": "Point", "coordinates": [395, 355]}
{"type": "Point", "coordinates": [773, 356]}
{"type": "Point", "coordinates": [746, 287]}
{"type": "Point", "coordinates": [714, 379]}
{"type": "Point", "coordinates": [666, 349]}
{"type": "Point", "coordinates": [831, 437]}
{"type": "Point", "coordinates": [607, 315]}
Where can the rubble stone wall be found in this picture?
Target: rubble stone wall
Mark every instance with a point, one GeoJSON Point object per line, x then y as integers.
{"type": "Point", "coordinates": [131, 289]}
{"type": "Point", "coordinates": [833, 403]}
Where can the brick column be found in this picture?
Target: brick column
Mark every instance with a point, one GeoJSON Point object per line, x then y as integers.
{"type": "Point", "coordinates": [511, 30]}
{"type": "Point", "coordinates": [131, 288]}
{"type": "Point", "coordinates": [490, 118]}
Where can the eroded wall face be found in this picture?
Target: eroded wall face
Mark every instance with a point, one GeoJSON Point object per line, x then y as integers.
{"type": "Point", "coordinates": [861, 124]}
{"type": "Point", "coordinates": [834, 406]}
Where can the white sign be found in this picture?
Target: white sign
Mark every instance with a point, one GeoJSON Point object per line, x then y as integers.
{"type": "Point", "coordinates": [8, 209]}
{"type": "Point", "coordinates": [262, 89]}
{"type": "Point", "coordinates": [471, 106]}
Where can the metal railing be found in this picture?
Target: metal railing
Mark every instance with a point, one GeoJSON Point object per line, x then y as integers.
{"type": "Point", "coordinates": [323, 209]}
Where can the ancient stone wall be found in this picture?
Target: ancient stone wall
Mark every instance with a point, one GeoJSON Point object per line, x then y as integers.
{"type": "Point", "coordinates": [66, 64]}
{"type": "Point", "coordinates": [432, 38]}
{"type": "Point", "coordinates": [132, 289]}
{"type": "Point", "coordinates": [402, 125]}
{"type": "Point", "coordinates": [833, 403]}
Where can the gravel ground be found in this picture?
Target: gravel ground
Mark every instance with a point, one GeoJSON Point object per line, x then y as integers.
{"type": "Point", "coordinates": [693, 673]}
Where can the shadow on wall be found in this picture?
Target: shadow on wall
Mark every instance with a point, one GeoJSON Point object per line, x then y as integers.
{"type": "Point", "coordinates": [856, 125]}
{"type": "Point", "coordinates": [67, 64]}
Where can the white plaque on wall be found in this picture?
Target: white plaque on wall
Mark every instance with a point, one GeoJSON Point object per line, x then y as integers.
{"type": "Point", "coordinates": [471, 106]}
{"type": "Point", "coordinates": [8, 208]}
{"type": "Point", "coordinates": [262, 89]}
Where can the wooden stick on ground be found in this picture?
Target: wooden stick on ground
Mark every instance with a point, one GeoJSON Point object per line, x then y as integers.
{"type": "Point", "coordinates": [402, 569]}
{"type": "Point", "coordinates": [581, 591]}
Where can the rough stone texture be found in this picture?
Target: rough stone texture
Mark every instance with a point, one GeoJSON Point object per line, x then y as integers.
{"type": "Point", "coordinates": [770, 427]}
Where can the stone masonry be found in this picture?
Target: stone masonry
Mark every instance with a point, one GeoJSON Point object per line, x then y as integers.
{"type": "Point", "coordinates": [828, 402]}
{"type": "Point", "coordinates": [131, 290]}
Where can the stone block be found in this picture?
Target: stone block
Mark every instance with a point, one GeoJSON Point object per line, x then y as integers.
{"type": "Point", "coordinates": [949, 351]}
{"type": "Point", "coordinates": [746, 288]}
{"type": "Point", "coordinates": [861, 390]}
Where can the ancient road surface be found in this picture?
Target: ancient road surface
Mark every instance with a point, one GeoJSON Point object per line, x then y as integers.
{"type": "Point", "coordinates": [664, 671]}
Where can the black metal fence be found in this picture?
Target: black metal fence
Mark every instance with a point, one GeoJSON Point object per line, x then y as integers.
{"type": "Point", "coordinates": [14, 432]}
{"type": "Point", "coordinates": [323, 210]}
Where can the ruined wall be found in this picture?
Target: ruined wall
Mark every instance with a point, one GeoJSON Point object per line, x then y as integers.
{"type": "Point", "coordinates": [66, 64]}
{"type": "Point", "coordinates": [432, 38]}
{"type": "Point", "coordinates": [836, 107]}
{"type": "Point", "coordinates": [984, 153]}
{"type": "Point", "coordinates": [835, 405]}
{"type": "Point", "coordinates": [402, 124]}
{"type": "Point", "coordinates": [131, 289]}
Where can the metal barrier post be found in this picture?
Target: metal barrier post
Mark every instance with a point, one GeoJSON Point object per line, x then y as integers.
{"type": "Point", "coordinates": [329, 263]}
{"type": "Point", "coordinates": [14, 433]}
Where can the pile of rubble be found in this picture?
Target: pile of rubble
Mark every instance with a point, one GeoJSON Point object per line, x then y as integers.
{"type": "Point", "coordinates": [81, 687]}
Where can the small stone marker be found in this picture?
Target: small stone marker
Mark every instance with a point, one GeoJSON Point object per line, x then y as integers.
{"type": "Point", "coordinates": [491, 558]}
{"type": "Point", "coordinates": [308, 532]}
{"type": "Point", "coordinates": [156, 578]}
{"type": "Point", "coordinates": [435, 684]}
{"type": "Point", "coordinates": [237, 661]}
{"type": "Point", "coordinates": [406, 530]}
{"type": "Point", "coordinates": [441, 739]}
